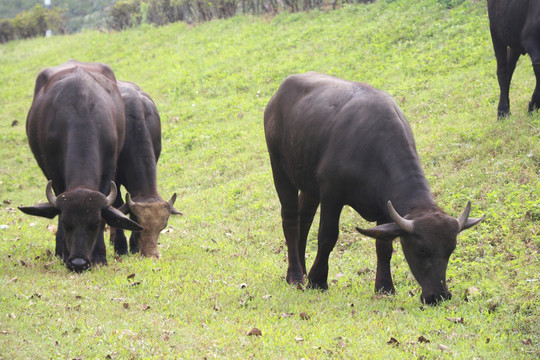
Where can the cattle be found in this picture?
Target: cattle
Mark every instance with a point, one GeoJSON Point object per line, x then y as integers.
{"type": "Point", "coordinates": [137, 173]}
{"type": "Point", "coordinates": [515, 31]}
{"type": "Point", "coordinates": [335, 142]}
{"type": "Point", "coordinates": [75, 129]}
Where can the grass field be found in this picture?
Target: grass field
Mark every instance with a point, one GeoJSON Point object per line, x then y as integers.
{"type": "Point", "coordinates": [223, 263]}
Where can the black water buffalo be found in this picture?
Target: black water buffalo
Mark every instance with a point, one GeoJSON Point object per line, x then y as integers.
{"type": "Point", "coordinates": [337, 142]}
{"type": "Point", "coordinates": [515, 30]}
{"type": "Point", "coordinates": [75, 129]}
{"type": "Point", "coordinates": [137, 172]}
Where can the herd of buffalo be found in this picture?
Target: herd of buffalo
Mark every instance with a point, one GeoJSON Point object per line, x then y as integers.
{"type": "Point", "coordinates": [332, 142]}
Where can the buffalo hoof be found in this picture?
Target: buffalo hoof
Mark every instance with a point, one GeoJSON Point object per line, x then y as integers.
{"type": "Point", "coordinates": [503, 112]}
{"type": "Point", "coordinates": [312, 284]}
{"type": "Point", "coordinates": [385, 289]}
{"type": "Point", "coordinates": [435, 299]}
{"type": "Point", "coordinates": [294, 278]}
{"type": "Point", "coordinates": [533, 106]}
{"type": "Point", "coordinates": [100, 260]}
{"type": "Point", "coordinates": [78, 264]}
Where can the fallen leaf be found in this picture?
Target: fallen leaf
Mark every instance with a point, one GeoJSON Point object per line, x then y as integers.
{"type": "Point", "coordinates": [118, 299]}
{"type": "Point", "coordinates": [422, 339]}
{"type": "Point", "coordinates": [527, 342]}
{"type": "Point", "coordinates": [493, 304]}
{"type": "Point", "coordinates": [287, 314]}
{"type": "Point", "coordinates": [52, 229]}
{"type": "Point", "coordinates": [242, 286]}
{"type": "Point", "coordinates": [14, 280]}
{"type": "Point", "coordinates": [298, 339]}
{"type": "Point", "coordinates": [444, 348]}
{"type": "Point", "coordinates": [49, 264]}
{"type": "Point", "coordinates": [145, 307]}
{"type": "Point", "coordinates": [393, 341]}
{"type": "Point", "coordinates": [456, 320]}
{"type": "Point", "coordinates": [363, 271]}
{"type": "Point", "coordinates": [304, 316]}
{"type": "Point", "coordinates": [135, 283]}
{"type": "Point", "coordinates": [254, 332]}
{"type": "Point", "coordinates": [131, 276]}
{"type": "Point", "coordinates": [471, 292]}
{"type": "Point", "coordinates": [125, 305]}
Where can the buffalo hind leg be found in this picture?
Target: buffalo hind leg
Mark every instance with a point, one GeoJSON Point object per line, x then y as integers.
{"type": "Point", "coordinates": [308, 207]}
{"type": "Point", "coordinates": [535, 100]}
{"type": "Point", "coordinates": [383, 278]}
{"type": "Point", "coordinates": [531, 43]}
{"type": "Point", "coordinates": [288, 197]}
{"type": "Point", "coordinates": [506, 63]}
{"type": "Point", "coordinates": [328, 235]}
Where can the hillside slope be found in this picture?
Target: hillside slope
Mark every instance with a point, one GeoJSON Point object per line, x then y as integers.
{"type": "Point", "coordinates": [223, 263]}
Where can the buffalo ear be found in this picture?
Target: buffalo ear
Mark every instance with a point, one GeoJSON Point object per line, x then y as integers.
{"type": "Point", "coordinates": [44, 210]}
{"type": "Point", "coordinates": [386, 232]}
{"type": "Point", "coordinates": [115, 218]}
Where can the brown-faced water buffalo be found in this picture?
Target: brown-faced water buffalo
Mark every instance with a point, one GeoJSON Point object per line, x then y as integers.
{"type": "Point", "coordinates": [335, 142]}
{"type": "Point", "coordinates": [515, 30]}
{"type": "Point", "coordinates": [75, 129]}
{"type": "Point", "coordinates": [137, 172]}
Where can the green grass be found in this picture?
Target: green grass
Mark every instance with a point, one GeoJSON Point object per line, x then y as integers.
{"type": "Point", "coordinates": [223, 262]}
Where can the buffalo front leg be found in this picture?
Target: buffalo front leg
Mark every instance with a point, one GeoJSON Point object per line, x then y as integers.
{"type": "Point", "coordinates": [118, 238]}
{"type": "Point", "coordinates": [99, 255]}
{"type": "Point", "coordinates": [59, 246]}
{"type": "Point", "coordinates": [119, 241]}
{"type": "Point", "coordinates": [328, 235]}
{"type": "Point", "coordinates": [383, 278]}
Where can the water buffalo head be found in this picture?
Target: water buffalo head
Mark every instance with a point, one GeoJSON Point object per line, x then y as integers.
{"type": "Point", "coordinates": [153, 215]}
{"type": "Point", "coordinates": [428, 238]}
{"type": "Point", "coordinates": [82, 213]}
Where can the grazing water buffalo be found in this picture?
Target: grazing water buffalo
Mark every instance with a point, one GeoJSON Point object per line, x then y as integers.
{"type": "Point", "coordinates": [515, 30]}
{"type": "Point", "coordinates": [137, 172]}
{"type": "Point", "coordinates": [75, 129]}
{"type": "Point", "coordinates": [337, 142]}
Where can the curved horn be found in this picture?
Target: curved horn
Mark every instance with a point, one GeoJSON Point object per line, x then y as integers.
{"type": "Point", "coordinates": [129, 202]}
{"type": "Point", "coordinates": [112, 194]}
{"type": "Point", "coordinates": [462, 219]}
{"type": "Point", "coordinates": [50, 194]}
{"type": "Point", "coordinates": [404, 224]}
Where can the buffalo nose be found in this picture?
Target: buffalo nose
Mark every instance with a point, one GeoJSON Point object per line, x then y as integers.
{"type": "Point", "coordinates": [78, 264]}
